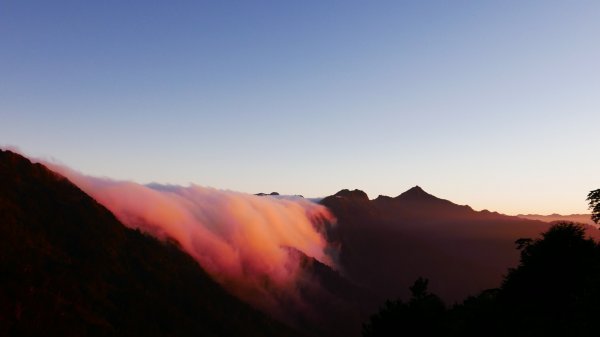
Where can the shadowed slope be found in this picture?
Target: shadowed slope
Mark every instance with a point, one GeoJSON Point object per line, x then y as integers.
{"type": "Point", "coordinates": [70, 268]}
{"type": "Point", "coordinates": [338, 306]}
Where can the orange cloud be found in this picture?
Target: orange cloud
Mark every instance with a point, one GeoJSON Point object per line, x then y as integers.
{"type": "Point", "coordinates": [241, 240]}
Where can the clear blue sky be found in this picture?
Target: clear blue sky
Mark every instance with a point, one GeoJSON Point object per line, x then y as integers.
{"type": "Point", "coordinates": [495, 104]}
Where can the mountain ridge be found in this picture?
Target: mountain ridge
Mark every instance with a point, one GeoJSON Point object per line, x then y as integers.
{"type": "Point", "coordinates": [387, 243]}
{"type": "Point", "coordinates": [413, 199]}
{"type": "Point", "coordinates": [382, 246]}
{"type": "Point", "coordinates": [580, 218]}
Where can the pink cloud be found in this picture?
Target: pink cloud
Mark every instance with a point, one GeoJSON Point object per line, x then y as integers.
{"type": "Point", "coordinates": [241, 240]}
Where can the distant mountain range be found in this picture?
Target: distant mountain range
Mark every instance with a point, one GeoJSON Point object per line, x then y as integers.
{"type": "Point", "coordinates": [387, 243]}
{"type": "Point", "coordinates": [579, 218]}
{"type": "Point", "coordinates": [70, 268]}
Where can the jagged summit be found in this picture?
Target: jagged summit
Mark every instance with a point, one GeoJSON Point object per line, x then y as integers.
{"type": "Point", "coordinates": [416, 193]}
{"type": "Point", "coordinates": [384, 197]}
{"type": "Point", "coordinates": [354, 194]}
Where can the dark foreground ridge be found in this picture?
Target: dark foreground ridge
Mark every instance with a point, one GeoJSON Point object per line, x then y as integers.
{"type": "Point", "coordinates": [70, 268]}
{"type": "Point", "coordinates": [554, 291]}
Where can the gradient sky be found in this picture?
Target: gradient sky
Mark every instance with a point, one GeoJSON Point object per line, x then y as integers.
{"type": "Point", "coordinates": [495, 104]}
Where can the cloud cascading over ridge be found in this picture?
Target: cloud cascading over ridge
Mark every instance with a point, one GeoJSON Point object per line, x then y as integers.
{"type": "Point", "coordinates": [243, 241]}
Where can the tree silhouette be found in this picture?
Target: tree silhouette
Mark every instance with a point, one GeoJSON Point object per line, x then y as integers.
{"type": "Point", "coordinates": [554, 291]}
{"type": "Point", "coordinates": [593, 199]}
{"type": "Point", "coordinates": [555, 287]}
{"type": "Point", "coordinates": [423, 315]}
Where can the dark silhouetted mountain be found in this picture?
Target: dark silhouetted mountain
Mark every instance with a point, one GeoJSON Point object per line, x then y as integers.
{"type": "Point", "coordinates": [261, 194]}
{"type": "Point", "coordinates": [387, 243]}
{"type": "Point", "coordinates": [416, 193]}
{"type": "Point", "coordinates": [416, 204]}
{"type": "Point", "coordinates": [354, 194]}
{"type": "Point", "coordinates": [69, 268]}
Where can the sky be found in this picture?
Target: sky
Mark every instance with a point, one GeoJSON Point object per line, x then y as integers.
{"type": "Point", "coordinates": [495, 104]}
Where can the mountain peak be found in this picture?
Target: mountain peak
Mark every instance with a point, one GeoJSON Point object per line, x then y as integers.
{"type": "Point", "coordinates": [417, 188]}
{"type": "Point", "coordinates": [354, 194]}
{"type": "Point", "coordinates": [415, 193]}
